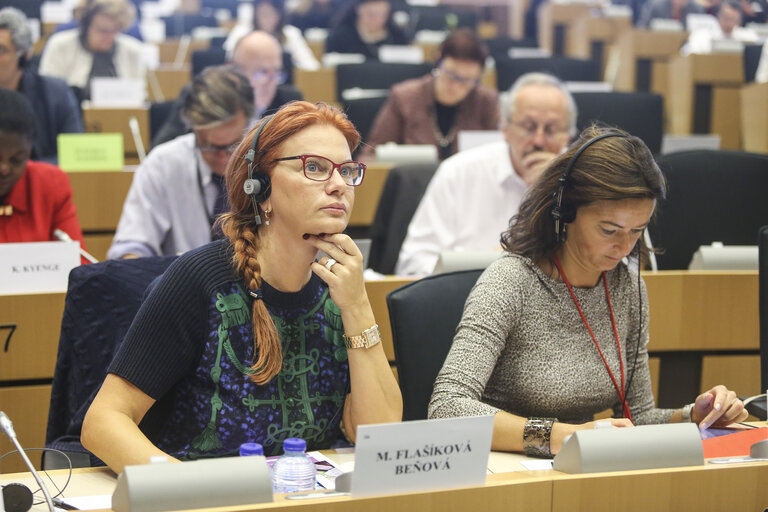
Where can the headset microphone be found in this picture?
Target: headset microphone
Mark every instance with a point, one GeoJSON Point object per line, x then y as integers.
{"type": "Point", "coordinates": [258, 185]}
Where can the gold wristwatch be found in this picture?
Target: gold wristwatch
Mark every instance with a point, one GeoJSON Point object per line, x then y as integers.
{"type": "Point", "coordinates": [366, 339]}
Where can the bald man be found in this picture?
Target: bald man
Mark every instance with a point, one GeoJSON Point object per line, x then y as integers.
{"type": "Point", "coordinates": [257, 56]}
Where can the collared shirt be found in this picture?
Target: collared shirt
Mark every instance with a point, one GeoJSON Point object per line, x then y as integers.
{"type": "Point", "coordinates": [164, 213]}
{"type": "Point", "coordinates": [40, 202]}
{"type": "Point", "coordinates": [466, 206]}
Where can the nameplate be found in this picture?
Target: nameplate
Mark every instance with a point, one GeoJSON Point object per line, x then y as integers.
{"type": "Point", "coordinates": [90, 151]}
{"type": "Point", "coordinates": [37, 267]}
{"type": "Point", "coordinates": [421, 455]}
{"type": "Point", "coordinates": [117, 92]}
{"type": "Point", "coordinates": [55, 12]}
{"type": "Point", "coordinates": [401, 54]}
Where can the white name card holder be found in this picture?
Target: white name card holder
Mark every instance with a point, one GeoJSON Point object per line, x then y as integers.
{"type": "Point", "coordinates": [423, 455]}
{"type": "Point", "coordinates": [203, 483]}
{"type": "Point", "coordinates": [37, 267]}
{"type": "Point", "coordinates": [55, 12]}
{"type": "Point", "coordinates": [401, 54]}
{"type": "Point", "coordinates": [624, 449]}
{"type": "Point", "coordinates": [117, 92]}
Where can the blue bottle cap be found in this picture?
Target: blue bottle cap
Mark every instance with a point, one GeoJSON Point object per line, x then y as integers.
{"type": "Point", "coordinates": [294, 444]}
{"type": "Point", "coordinates": [251, 449]}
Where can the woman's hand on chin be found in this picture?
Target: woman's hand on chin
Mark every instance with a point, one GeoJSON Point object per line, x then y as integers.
{"type": "Point", "coordinates": [345, 276]}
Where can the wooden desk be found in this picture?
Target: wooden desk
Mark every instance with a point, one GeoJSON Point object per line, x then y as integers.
{"type": "Point", "coordinates": [704, 96]}
{"type": "Point", "coordinates": [318, 85]}
{"type": "Point", "coordinates": [172, 52]}
{"type": "Point", "coordinates": [754, 118]}
{"type": "Point", "coordinates": [708, 487]}
{"type": "Point", "coordinates": [554, 20]}
{"type": "Point", "coordinates": [115, 120]}
{"type": "Point", "coordinates": [589, 37]}
{"type": "Point", "coordinates": [169, 79]}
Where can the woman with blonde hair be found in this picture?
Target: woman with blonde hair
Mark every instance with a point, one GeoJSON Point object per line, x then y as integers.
{"type": "Point", "coordinates": [250, 338]}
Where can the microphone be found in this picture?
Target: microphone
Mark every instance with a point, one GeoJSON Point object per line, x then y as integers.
{"type": "Point", "coordinates": [64, 237]}
{"type": "Point", "coordinates": [7, 427]}
{"type": "Point", "coordinates": [133, 124]}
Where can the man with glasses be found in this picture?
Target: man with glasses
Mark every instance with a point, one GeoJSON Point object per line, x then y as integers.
{"type": "Point", "coordinates": [434, 108]}
{"type": "Point", "coordinates": [474, 193]}
{"type": "Point", "coordinates": [178, 191]}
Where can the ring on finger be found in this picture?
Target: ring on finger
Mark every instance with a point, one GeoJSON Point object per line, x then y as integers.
{"type": "Point", "coordinates": [330, 263]}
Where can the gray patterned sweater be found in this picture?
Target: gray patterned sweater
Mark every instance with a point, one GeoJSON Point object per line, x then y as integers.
{"type": "Point", "coordinates": [522, 347]}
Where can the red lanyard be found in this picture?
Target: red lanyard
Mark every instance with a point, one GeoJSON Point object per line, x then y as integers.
{"type": "Point", "coordinates": [620, 390]}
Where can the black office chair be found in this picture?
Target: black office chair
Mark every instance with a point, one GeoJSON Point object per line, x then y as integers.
{"type": "Point", "coordinates": [763, 250]}
{"type": "Point", "coordinates": [565, 68]}
{"type": "Point", "coordinates": [201, 59]}
{"type": "Point", "coordinates": [424, 315]}
{"type": "Point", "coordinates": [402, 192]}
{"type": "Point", "coordinates": [101, 301]}
{"type": "Point", "coordinates": [158, 114]}
{"type": "Point", "coordinates": [639, 113]}
{"type": "Point", "coordinates": [440, 17]}
{"type": "Point", "coordinates": [752, 53]}
{"type": "Point", "coordinates": [376, 75]}
{"type": "Point", "coordinates": [182, 24]}
{"type": "Point", "coordinates": [713, 196]}
{"type": "Point", "coordinates": [499, 47]}
{"type": "Point", "coordinates": [362, 112]}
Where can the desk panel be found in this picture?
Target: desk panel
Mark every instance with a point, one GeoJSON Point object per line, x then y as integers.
{"type": "Point", "coordinates": [99, 198]}
{"type": "Point", "coordinates": [377, 294]}
{"type": "Point", "coordinates": [27, 407]}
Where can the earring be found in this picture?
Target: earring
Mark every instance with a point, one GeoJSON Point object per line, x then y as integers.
{"type": "Point", "coordinates": [266, 217]}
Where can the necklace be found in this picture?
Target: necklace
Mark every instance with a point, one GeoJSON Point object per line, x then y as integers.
{"type": "Point", "coordinates": [620, 390]}
{"type": "Point", "coordinates": [442, 140]}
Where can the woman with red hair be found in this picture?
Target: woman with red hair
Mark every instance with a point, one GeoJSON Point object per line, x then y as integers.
{"type": "Point", "coordinates": [251, 338]}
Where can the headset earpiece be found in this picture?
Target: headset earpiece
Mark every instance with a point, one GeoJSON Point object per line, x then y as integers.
{"type": "Point", "coordinates": [561, 213]}
{"type": "Point", "coordinates": [258, 185]}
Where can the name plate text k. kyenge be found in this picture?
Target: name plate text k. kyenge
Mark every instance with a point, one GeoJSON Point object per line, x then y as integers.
{"type": "Point", "coordinates": [37, 267]}
{"type": "Point", "coordinates": [421, 455]}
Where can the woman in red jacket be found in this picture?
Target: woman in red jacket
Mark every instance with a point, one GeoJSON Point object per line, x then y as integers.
{"type": "Point", "coordinates": [35, 197]}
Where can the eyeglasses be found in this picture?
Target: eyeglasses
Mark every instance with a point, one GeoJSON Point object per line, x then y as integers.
{"type": "Point", "coordinates": [216, 148]}
{"type": "Point", "coordinates": [531, 129]}
{"type": "Point", "coordinates": [265, 75]}
{"type": "Point", "coordinates": [452, 76]}
{"type": "Point", "coordinates": [319, 168]}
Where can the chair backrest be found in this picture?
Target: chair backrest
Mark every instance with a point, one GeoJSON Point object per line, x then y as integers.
{"type": "Point", "coordinates": [713, 196]}
{"type": "Point", "coordinates": [752, 53]}
{"type": "Point", "coordinates": [362, 112]}
{"type": "Point", "coordinates": [201, 59]}
{"type": "Point", "coordinates": [565, 68]}
{"type": "Point", "coordinates": [101, 301]}
{"type": "Point", "coordinates": [424, 315]}
{"type": "Point", "coordinates": [441, 17]}
{"type": "Point", "coordinates": [181, 24]}
{"type": "Point", "coordinates": [376, 75]}
{"type": "Point", "coordinates": [499, 47]}
{"type": "Point", "coordinates": [158, 114]}
{"type": "Point", "coordinates": [639, 113]}
{"type": "Point", "coordinates": [763, 250]}
{"type": "Point", "coordinates": [403, 189]}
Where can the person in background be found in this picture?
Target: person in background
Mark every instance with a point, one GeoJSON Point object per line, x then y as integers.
{"type": "Point", "coordinates": [258, 57]}
{"type": "Point", "coordinates": [56, 110]}
{"type": "Point", "coordinates": [35, 197]}
{"type": "Point", "coordinates": [314, 14]}
{"type": "Point", "coordinates": [96, 48]}
{"type": "Point", "coordinates": [474, 193]}
{"type": "Point", "coordinates": [729, 21]}
{"type": "Point", "coordinates": [269, 16]}
{"type": "Point", "coordinates": [754, 11]}
{"type": "Point", "coordinates": [178, 191]}
{"type": "Point", "coordinates": [556, 330]}
{"type": "Point", "coordinates": [249, 338]}
{"type": "Point", "coordinates": [668, 9]}
{"type": "Point", "coordinates": [364, 26]}
{"type": "Point", "coordinates": [434, 108]}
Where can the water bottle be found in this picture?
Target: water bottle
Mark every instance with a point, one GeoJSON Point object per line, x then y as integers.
{"type": "Point", "coordinates": [251, 449]}
{"type": "Point", "coordinates": [293, 471]}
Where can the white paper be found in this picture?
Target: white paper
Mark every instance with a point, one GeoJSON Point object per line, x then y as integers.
{"type": "Point", "coordinates": [421, 455]}
{"type": "Point", "coordinates": [117, 92]}
{"type": "Point", "coordinates": [95, 502]}
{"type": "Point", "coordinates": [535, 465]}
{"type": "Point", "coordinates": [401, 53]}
{"type": "Point", "coordinates": [37, 267]}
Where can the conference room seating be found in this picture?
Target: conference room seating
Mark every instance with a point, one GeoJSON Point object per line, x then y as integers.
{"type": "Point", "coordinates": [565, 68]}
{"type": "Point", "coordinates": [183, 24]}
{"type": "Point", "coordinates": [201, 59]}
{"type": "Point", "coordinates": [424, 315]}
{"type": "Point", "coordinates": [362, 112]}
{"type": "Point", "coordinates": [639, 113]}
{"type": "Point", "coordinates": [376, 75]}
{"type": "Point", "coordinates": [158, 113]}
{"type": "Point", "coordinates": [499, 47]}
{"type": "Point", "coordinates": [101, 301]}
{"type": "Point", "coordinates": [402, 192]}
{"type": "Point", "coordinates": [441, 17]}
{"type": "Point", "coordinates": [713, 196]}
{"type": "Point", "coordinates": [752, 54]}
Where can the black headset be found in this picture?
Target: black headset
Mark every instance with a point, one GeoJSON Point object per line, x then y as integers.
{"type": "Point", "coordinates": [258, 185]}
{"type": "Point", "coordinates": [563, 214]}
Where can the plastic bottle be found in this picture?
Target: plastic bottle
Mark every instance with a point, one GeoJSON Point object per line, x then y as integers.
{"type": "Point", "coordinates": [294, 471]}
{"type": "Point", "coordinates": [251, 449]}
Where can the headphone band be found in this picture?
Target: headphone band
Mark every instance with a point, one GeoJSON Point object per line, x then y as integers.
{"type": "Point", "coordinates": [557, 211]}
{"type": "Point", "coordinates": [260, 186]}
